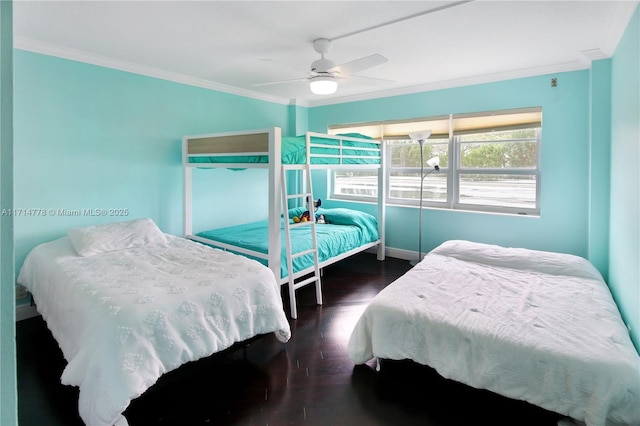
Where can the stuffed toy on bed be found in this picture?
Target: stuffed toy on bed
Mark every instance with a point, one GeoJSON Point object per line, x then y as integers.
{"type": "Point", "coordinates": [306, 216]}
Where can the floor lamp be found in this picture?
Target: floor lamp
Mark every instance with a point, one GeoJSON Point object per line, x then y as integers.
{"type": "Point", "coordinates": [432, 162]}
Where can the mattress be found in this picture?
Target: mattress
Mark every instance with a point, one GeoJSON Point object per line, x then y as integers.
{"type": "Point", "coordinates": [345, 230]}
{"type": "Point", "coordinates": [125, 317]}
{"type": "Point", "coordinates": [530, 325]}
{"type": "Point", "coordinates": [294, 151]}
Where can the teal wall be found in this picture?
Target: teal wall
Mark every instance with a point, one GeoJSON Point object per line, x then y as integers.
{"type": "Point", "coordinates": [624, 245]}
{"type": "Point", "coordinates": [8, 389]}
{"type": "Point", "coordinates": [599, 164]}
{"type": "Point", "coordinates": [90, 137]}
{"type": "Point", "coordinates": [563, 223]}
{"type": "Point", "coordinates": [298, 120]}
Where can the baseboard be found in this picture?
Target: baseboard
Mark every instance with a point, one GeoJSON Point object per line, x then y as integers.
{"type": "Point", "coordinates": [395, 253]}
{"type": "Point", "coordinates": [24, 312]}
{"type": "Point", "coordinates": [401, 254]}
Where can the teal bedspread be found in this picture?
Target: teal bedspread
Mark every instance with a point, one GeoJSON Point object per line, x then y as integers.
{"type": "Point", "coordinates": [294, 151]}
{"type": "Point", "coordinates": [346, 230]}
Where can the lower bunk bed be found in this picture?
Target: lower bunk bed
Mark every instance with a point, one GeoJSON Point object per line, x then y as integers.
{"type": "Point", "coordinates": [529, 325]}
{"type": "Point", "coordinates": [344, 233]}
{"type": "Point", "coordinates": [127, 304]}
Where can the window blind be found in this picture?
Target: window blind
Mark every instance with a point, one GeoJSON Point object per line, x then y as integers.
{"type": "Point", "coordinates": [441, 126]}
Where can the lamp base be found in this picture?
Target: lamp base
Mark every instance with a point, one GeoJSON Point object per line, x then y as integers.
{"type": "Point", "coordinates": [414, 262]}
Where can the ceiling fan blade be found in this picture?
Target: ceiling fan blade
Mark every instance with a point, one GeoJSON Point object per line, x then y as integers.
{"type": "Point", "coordinates": [280, 82]}
{"type": "Point", "coordinates": [359, 64]}
{"type": "Point", "coordinates": [370, 79]}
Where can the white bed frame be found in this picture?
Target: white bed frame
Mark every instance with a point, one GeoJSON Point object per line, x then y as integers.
{"type": "Point", "coordinates": [267, 142]}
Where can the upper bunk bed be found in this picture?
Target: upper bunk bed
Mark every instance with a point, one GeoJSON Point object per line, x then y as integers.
{"type": "Point", "coordinates": [317, 149]}
{"type": "Point", "coordinates": [267, 149]}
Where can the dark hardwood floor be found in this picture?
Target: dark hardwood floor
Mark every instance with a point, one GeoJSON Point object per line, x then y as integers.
{"type": "Point", "coordinates": [308, 381]}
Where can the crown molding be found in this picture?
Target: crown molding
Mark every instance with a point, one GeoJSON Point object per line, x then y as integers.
{"type": "Point", "coordinates": [594, 55]}
{"type": "Point", "coordinates": [299, 102]}
{"type": "Point", "coordinates": [584, 62]}
{"type": "Point", "coordinates": [35, 46]}
{"type": "Point", "coordinates": [617, 25]}
{"type": "Point", "coordinates": [449, 84]}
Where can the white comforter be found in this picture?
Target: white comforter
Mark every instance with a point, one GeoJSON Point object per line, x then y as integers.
{"type": "Point", "coordinates": [535, 326]}
{"type": "Point", "coordinates": [124, 318]}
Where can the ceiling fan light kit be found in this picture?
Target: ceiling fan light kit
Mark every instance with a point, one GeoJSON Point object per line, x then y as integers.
{"type": "Point", "coordinates": [323, 85]}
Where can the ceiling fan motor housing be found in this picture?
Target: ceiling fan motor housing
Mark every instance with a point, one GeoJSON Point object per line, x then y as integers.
{"type": "Point", "coordinates": [322, 65]}
{"type": "Point", "coordinates": [322, 45]}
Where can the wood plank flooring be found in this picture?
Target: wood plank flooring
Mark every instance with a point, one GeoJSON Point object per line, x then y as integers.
{"type": "Point", "coordinates": [308, 381]}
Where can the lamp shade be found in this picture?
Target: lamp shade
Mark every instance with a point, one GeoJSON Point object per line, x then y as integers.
{"type": "Point", "coordinates": [433, 162]}
{"type": "Point", "coordinates": [421, 135]}
{"type": "Point", "coordinates": [323, 85]}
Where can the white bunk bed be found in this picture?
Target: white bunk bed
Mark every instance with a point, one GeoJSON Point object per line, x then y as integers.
{"type": "Point", "coordinates": [268, 149]}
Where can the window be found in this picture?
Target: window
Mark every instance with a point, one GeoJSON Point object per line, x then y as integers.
{"type": "Point", "coordinates": [498, 170]}
{"type": "Point", "coordinates": [403, 171]}
{"type": "Point", "coordinates": [355, 185]}
{"type": "Point", "coordinates": [488, 162]}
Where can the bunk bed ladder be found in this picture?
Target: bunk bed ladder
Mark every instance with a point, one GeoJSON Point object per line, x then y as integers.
{"type": "Point", "coordinates": [301, 279]}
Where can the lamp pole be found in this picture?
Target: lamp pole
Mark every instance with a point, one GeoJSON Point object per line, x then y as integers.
{"type": "Point", "coordinates": [433, 162]}
{"type": "Point", "coordinates": [422, 175]}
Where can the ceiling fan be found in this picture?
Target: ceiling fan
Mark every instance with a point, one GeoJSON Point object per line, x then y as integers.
{"type": "Point", "coordinates": [324, 75]}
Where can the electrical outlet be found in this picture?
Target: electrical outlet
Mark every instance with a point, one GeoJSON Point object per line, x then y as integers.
{"type": "Point", "coordinates": [21, 292]}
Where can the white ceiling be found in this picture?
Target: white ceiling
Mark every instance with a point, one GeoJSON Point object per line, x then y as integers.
{"type": "Point", "coordinates": [231, 45]}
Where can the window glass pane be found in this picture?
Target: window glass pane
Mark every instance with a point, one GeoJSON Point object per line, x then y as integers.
{"type": "Point", "coordinates": [528, 133]}
{"type": "Point", "coordinates": [498, 155]}
{"type": "Point", "coordinates": [505, 149]}
{"type": "Point", "coordinates": [406, 153]}
{"type": "Point", "coordinates": [517, 191]}
{"type": "Point", "coordinates": [356, 183]}
{"type": "Point", "coordinates": [407, 186]}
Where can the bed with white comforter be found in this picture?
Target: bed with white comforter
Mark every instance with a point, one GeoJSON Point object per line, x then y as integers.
{"type": "Point", "coordinates": [535, 326]}
{"type": "Point", "coordinates": [127, 304]}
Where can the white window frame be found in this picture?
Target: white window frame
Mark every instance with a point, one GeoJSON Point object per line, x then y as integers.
{"type": "Point", "coordinates": [456, 124]}
{"type": "Point", "coordinates": [460, 170]}
{"type": "Point", "coordinates": [348, 197]}
{"type": "Point", "coordinates": [428, 171]}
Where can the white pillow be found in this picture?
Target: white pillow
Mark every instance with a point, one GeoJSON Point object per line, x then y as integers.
{"type": "Point", "coordinates": [91, 240]}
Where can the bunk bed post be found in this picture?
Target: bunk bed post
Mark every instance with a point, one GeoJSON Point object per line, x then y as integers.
{"type": "Point", "coordinates": [275, 201]}
{"type": "Point", "coordinates": [382, 208]}
{"type": "Point", "coordinates": [187, 224]}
